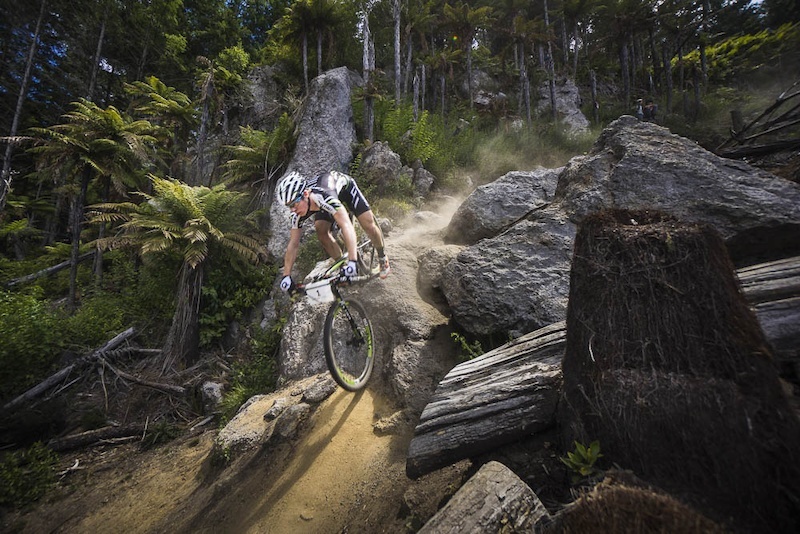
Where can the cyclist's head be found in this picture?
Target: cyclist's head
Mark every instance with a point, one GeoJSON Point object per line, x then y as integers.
{"type": "Point", "coordinates": [291, 188]}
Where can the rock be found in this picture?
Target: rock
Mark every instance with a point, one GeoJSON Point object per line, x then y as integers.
{"type": "Point", "coordinates": [493, 500]}
{"type": "Point", "coordinates": [380, 166]}
{"type": "Point", "coordinates": [423, 182]}
{"type": "Point", "coordinates": [640, 165]}
{"type": "Point", "coordinates": [289, 421]}
{"type": "Point", "coordinates": [514, 283]}
{"type": "Point", "coordinates": [493, 207]}
{"type": "Point", "coordinates": [568, 102]}
{"type": "Point", "coordinates": [320, 390]}
{"type": "Point", "coordinates": [431, 268]}
{"type": "Point", "coordinates": [212, 395]}
{"type": "Point", "coordinates": [264, 107]}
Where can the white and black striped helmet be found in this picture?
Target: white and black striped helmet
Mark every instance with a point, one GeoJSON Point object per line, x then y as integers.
{"type": "Point", "coordinates": [291, 187]}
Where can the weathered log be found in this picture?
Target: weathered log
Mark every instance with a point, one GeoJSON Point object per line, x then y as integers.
{"type": "Point", "coordinates": [506, 394]}
{"type": "Point", "coordinates": [493, 500]}
{"type": "Point", "coordinates": [773, 290]}
{"type": "Point", "coordinates": [43, 386]}
{"type": "Point", "coordinates": [76, 441]}
{"type": "Point", "coordinates": [458, 423]}
{"type": "Point", "coordinates": [775, 280]}
{"type": "Point", "coordinates": [50, 270]}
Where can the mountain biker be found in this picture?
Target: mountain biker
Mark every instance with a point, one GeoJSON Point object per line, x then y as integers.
{"type": "Point", "coordinates": [328, 198]}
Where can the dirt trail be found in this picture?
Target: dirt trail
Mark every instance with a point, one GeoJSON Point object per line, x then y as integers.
{"type": "Point", "coordinates": [335, 473]}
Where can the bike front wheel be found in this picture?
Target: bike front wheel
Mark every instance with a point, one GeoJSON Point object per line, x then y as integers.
{"type": "Point", "coordinates": [349, 344]}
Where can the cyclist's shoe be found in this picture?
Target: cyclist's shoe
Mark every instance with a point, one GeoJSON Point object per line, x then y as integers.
{"type": "Point", "coordinates": [385, 269]}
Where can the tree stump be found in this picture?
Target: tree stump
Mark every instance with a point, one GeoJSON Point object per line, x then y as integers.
{"type": "Point", "coordinates": [665, 364]}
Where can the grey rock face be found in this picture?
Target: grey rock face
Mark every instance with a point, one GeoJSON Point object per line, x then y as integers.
{"type": "Point", "coordinates": [493, 207]}
{"type": "Point", "coordinates": [568, 102]}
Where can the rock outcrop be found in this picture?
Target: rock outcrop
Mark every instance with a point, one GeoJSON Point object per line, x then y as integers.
{"type": "Point", "coordinates": [633, 165]}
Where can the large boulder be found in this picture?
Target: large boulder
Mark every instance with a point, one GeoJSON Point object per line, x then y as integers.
{"type": "Point", "coordinates": [493, 207]}
{"type": "Point", "coordinates": [633, 165]}
{"type": "Point", "coordinates": [640, 165]}
{"type": "Point", "coordinates": [380, 165]}
{"type": "Point", "coordinates": [264, 107]}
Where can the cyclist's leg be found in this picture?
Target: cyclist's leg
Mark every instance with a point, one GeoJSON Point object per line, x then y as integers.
{"type": "Point", "coordinates": [359, 206]}
{"type": "Point", "coordinates": [323, 227]}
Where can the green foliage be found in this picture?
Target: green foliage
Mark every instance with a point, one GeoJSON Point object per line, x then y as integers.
{"type": "Point", "coordinates": [582, 460]}
{"type": "Point", "coordinates": [260, 154]}
{"type": "Point", "coordinates": [469, 350]}
{"type": "Point", "coordinates": [235, 59]}
{"type": "Point", "coordinates": [744, 56]}
{"type": "Point", "coordinates": [257, 374]}
{"type": "Point", "coordinates": [231, 289]}
{"type": "Point", "coordinates": [25, 476]}
{"type": "Point", "coordinates": [420, 140]}
{"type": "Point", "coordinates": [32, 339]}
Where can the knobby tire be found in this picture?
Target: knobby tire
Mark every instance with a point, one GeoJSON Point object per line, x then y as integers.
{"type": "Point", "coordinates": [349, 344]}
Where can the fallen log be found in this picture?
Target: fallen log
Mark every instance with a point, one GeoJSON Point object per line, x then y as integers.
{"type": "Point", "coordinates": [90, 437]}
{"type": "Point", "coordinates": [43, 386]}
{"type": "Point", "coordinates": [493, 500]}
{"type": "Point", "coordinates": [492, 400]}
{"type": "Point", "coordinates": [48, 271]}
{"type": "Point", "coordinates": [508, 393]}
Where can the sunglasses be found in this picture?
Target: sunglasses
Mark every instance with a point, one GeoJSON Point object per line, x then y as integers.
{"type": "Point", "coordinates": [296, 201]}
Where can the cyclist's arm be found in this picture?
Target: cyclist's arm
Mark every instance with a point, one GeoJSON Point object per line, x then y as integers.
{"type": "Point", "coordinates": [290, 255]}
{"type": "Point", "coordinates": [348, 232]}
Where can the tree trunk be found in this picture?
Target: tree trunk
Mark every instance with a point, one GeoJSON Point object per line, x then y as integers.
{"type": "Point", "coordinates": [319, 52]}
{"type": "Point", "coordinates": [305, 60]}
{"type": "Point", "coordinates": [368, 63]}
{"type": "Point", "coordinates": [415, 99]}
{"type": "Point", "coordinates": [97, 52]}
{"type": "Point", "coordinates": [626, 81]}
{"type": "Point", "coordinates": [5, 177]}
{"type": "Point", "coordinates": [183, 340]}
{"type": "Point", "coordinates": [206, 95]}
{"type": "Point", "coordinates": [493, 500]}
{"type": "Point", "coordinates": [595, 103]}
{"type": "Point", "coordinates": [77, 221]}
{"type": "Point", "coordinates": [409, 68]}
{"type": "Point", "coordinates": [397, 79]}
{"type": "Point", "coordinates": [667, 58]}
{"type": "Point", "coordinates": [551, 74]}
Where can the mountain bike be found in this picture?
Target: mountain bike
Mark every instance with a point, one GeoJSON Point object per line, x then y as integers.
{"type": "Point", "coordinates": [348, 337]}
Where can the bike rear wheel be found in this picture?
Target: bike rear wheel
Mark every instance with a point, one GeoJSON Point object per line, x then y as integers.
{"type": "Point", "coordinates": [349, 344]}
